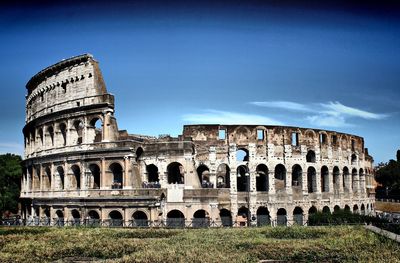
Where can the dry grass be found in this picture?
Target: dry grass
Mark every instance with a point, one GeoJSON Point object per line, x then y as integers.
{"type": "Point", "coordinates": [305, 244]}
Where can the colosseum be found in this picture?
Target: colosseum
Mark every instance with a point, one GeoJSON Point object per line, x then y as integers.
{"type": "Point", "coordinates": [79, 168]}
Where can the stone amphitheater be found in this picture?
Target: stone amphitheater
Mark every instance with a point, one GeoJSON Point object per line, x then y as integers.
{"type": "Point", "coordinates": [79, 168]}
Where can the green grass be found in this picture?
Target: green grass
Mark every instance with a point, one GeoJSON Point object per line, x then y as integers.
{"type": "Point", "coordinates": [304, 244]}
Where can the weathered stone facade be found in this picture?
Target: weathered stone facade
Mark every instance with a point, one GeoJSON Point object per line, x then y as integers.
{"type": "Point", "coordinates": [78, 165]}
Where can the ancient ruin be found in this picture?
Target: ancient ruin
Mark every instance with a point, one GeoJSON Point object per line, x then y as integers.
{"type": "Point", "coordinates": [80, 168]}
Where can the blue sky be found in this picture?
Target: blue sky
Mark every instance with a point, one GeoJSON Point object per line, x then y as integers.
{"type": "Point", "coordinates": [332, 66]}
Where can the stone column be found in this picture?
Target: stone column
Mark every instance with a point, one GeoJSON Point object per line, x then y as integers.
{"type": "Point", "coordinates": [288, 183]}
{"type": "Point", "coordinates": [126, 172]}
{"type": "Point", "coordinates": [41, 177]}
{"type": "Point", "coordinates": [271, 182]}
{"type": "Point", "coordinates": [330, 182]}
{"type": "Point", "coordinates": [318, 181]}
{"type": "Point", "coordinates": [304, 183]}
{"type": "Point", "coordinates": [103, 173]}
{"type": "Point", "coordinates": [52, 183]}
{"type": "Point", "coordinates": [67, 177]}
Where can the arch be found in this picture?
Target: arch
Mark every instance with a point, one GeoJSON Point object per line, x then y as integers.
{"type": "Point", "coordinates": [60, 177]}
{"type": "Point", "coordinates": [94, 176]}
{"type": "Point", "coordinates": [312, 210]}
{"type": "Point", "coordinates": [96, 125]}
{"type": "Point", "coordinates": [280, 177]}
{"type": "Point", "coordinates": [50, 131]}
{"type": "Point", "coordinates": [93, 214]}
{"type": "Point", "coordinates": [139, 218]}
{"type": "Point", "coordinates": [63, 132]}
{"type": "Point", "coordinates": [78, 126]}
{"type": "Point", "coordinates": [60, 218]}
{"type": "Point", "coordinates": [47, 179]}
{"type": "Point", "coordinates": [311, 180]}
{"type": "Point", "coordinates": [93, 218]}
{"type": "Point", "coordinates": [226, 217]}
{"type": "Point", "coordinates": [223, 176]}
{"type": "Point", "coordinates": [336, 178]}
{"type": "Point", "coordinates": [175, 218]}
{"type": "Point", "coordinates": [354, 179]}
{"type": "Point", "coordinates": [242, 155]}
{"type": "Point", "coordinates": [175, 173]}
{"type": "Point", "coordinates": [310, 135]}
{"type": "Point", "coordinates": [76, 177]}
{"type": "Point", "coordinates": [117, 179]}
{"type": "Point", "coordinates": [362, 209]}
{"type": "Point", "coordinates": [40, 133]}
{"type": "Point", "coordinates": [353, 159]}
{"type": "Point", "coordinates": [243, 178]}
{"type": "Point", "coordinates": [200, 219]}
{"type": "Point", "coordinates": [324, 179]}
{"type": "Point", "coordinates": [355, 209]}
{"type": "Point", "coordinates": [298, 216]}
{"type": "Point", "coordinates": [263, 216]}
{"type": "Point", "coordinates": [204, 176]}
{"type": "Point", "coordinates": [326, 209]}
{"type": "Point", "coordinates": [115, 218]}
{"type": "Point", "coordinates": [336, 209]}
{"type": "Point", "coordinates": [297, 176]}
{"type": "Point", "coordinates": [345, 178]}
{"type": "Point", "coordinates": [152, 173]}
{"type": "Point", "coordinates": [310, 157]}
{"type": "Point", "coordinates": [243, 216]}
{"type": "Point", "coordinates": [139, 153]}
{"type": "Point", "coordinates": [262, 181]}
{"type": "Point", "coordinates": [347, 208]}
{"type": "Point", "coordinates": [76, 217]}
{"type": "Point", "coordinates": [281, 219]}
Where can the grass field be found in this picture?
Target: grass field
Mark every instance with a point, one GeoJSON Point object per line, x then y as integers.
{"type": "Point", "coordinates": [306, 244]}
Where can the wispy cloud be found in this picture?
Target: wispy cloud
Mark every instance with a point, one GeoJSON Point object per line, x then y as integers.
{"type": "Point", "coordinates": [226, 117]}
{"type": "Point", "coordinates": [287, 105]}
{"type": "Point", "coordinates": [330, 114]}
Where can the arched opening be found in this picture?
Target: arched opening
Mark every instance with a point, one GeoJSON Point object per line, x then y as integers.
{"type": "Point", "coordinates": [117, 172]}
{"type": "Point", "coordinates": [41, 136]}
{"type": "Point", "coordinates": [336, 179]}
{"type": "Point", "coordinates": [60, 218]}
{"type": "Point", "coordinates": [95, 176]}
{"type": "Point", "coordinates": [175, 218]}
{"type": "Point", "coordinates": [139, 219]}
{"type": "Point", "coordinates": [76, 217]}
{"type": "Point", "coordinates": [60, 177]}
{"type": "Point", "coordinates": [47, 179]}
{"type": "Point", "coordinates": [347, 208]}
{"type": "Point", "coordinates": [36, 178]}
{"type": "Point", "coordinates": [355, 209]}
{"type": "Point", "coordinates": [115, 219]}
{"type": "Point", "coordinates": [175, 173]}
{"type": "Point", "coordinates": [362, 209]}
{"type": "Point", "coordinates": [297, 177]}
{"type": "Point", "coordinates": [346, 177]}
{"type": "Point", "coordinates": [63, 132]}
{"type": "Point", "coordinates": [354, 180]}
{"type": "Point", "coordinates": [361, 176]}
{"type": "Point", "coordinates": [152, 176]}
{"type": "Point", "coordinates": [281, 219]}
{"type": "Point", "coordinates": [280, 177]}
{"type": "Point", "coordinates": [200, 219]}
{"type": "Point", "coordinates": [263, 217]}
{"type": "Point", "coordinates": [93, 218]}
{"type": "Point", "coordinates": [223, 176]}
{"type": "Point", "coordinates": [50, 132]}
{"type": "Point", "coordinates": [96, 125]}
{"type": "Point", "coordinates": [324, 179]}
{"type": "Point", "coordinates": [242, 155]}
{"type": "Point", "coordinates": [326, 209]}
{"type": "Point", "coordinates": [139, 153]}
{"type": "Point", "coordinates": [243, 216]}
{"type": "Point", "coordinates": [312, 210]}
{"type": "Point", "coordinates": [204, 176]}
{"type": "Point", "coordinates": [226, 217]}
{"type": "Point", "coordinates": [311, 180]}
{"type": "Point", "coordinates": [46, 219]}
{"type": "Point", "coordinates": [310, 157]}
{"type": "Point", "coordinates": [353, 159]}
{"type": "Point", "coordinates": [262, 183]}
{"type": "Point", "coordinates": [243, 178]}
{"type": "Point", "coordinates": [78, 125]}
{"type": "Point", "coordinates": [76, 177]}
{"type": "Point", "coordinates": [298, 216]}
{"type": "Point", "coordinates": [336, 209]}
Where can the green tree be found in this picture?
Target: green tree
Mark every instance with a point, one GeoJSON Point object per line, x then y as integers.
{"type": "Point", "coordinates": [10, 178]}
{"type": "Point", "coordinates": [388, 175]}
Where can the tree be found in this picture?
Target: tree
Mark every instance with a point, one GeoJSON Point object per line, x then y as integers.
{"type": "Point", "coordinates": [10, 178]}
{"type": "Point", "coordinates": [388, 175]}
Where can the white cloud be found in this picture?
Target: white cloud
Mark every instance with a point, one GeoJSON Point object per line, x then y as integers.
{"type": "Point", "coordinates": [226, 117]}
{"type": "Point", "coordinates": [330, 114]}
{"type": "Point", "coordinates": [287, 105]}
{"type": "Point", "coordinates": [337, 107]}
